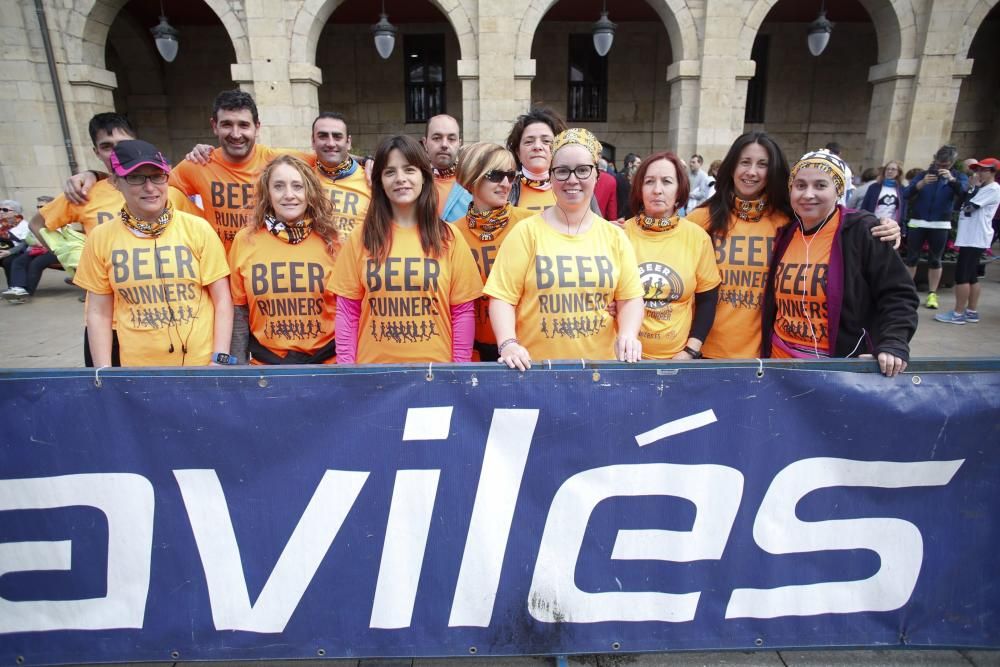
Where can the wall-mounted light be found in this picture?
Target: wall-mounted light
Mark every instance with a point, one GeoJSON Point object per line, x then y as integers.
{"type": "Point", "coordinates": [819, 32]}
{"type": "Point", "coordinates": [165, 36]}
{"type": "Point", "coordinates": [385, 35]}
{"type": "Point", "coordinates": [604, 32]}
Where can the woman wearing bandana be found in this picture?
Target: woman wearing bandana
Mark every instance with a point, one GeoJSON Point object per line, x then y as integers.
{"type": "Point", "coordinates": [558, 272]}
{"type": "Point", "coordinates": [676, 262]}
{"type": "Point", "coordinates": [530, 140]}
{"type": "Point", "coordinates": [833, 290]}
{"type": "Point", "coordinates": [159, 273]}
{"type": "Point", "coordinates": [282, 270]}
{"type": "Point", "coordinates": [488, 172]}
{"type": "Point", "coordinates": [750, 204]}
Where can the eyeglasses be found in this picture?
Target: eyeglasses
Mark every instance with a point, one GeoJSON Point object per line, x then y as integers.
{"type": "Point", "coordinates": [582, 172]}
{"type": "Point", "coordinates": [6, 210]}
{"type": "Point", "coordinates": [140, 179]}
{"type": "Point", "coordinates": [497, 175]}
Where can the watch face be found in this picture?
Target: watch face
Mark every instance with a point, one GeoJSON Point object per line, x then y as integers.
{"type": "Point", "coordinates": [223, 358]}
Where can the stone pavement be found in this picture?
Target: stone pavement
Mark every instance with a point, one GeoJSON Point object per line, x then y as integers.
{"type": "Point", "coordinates": [47, 333]}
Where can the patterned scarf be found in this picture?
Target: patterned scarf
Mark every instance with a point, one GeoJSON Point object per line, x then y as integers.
{"type": "Point", "coordinates": [750, 210]}
{"type": "Point", "coordinates": [289, 232]}
{"type": "Point", "coordinates": [444, 174]}
{"type": "Point", "coordinates": [489, 222]}
{"type": "Point", "coordinates": [152, 229]}
{"type": "Point", "coordinates": [345, 168]}
{"type": "Point", "coordinates": [534, 180]}
{"type": "Point", "coordinates": [656, 224]}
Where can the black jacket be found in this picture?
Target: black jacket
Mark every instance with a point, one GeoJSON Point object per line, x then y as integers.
{"type": "Point", "coordinates": [870, 296]}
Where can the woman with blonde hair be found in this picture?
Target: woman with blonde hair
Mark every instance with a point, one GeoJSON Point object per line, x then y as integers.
{"type": "Point", "coordinates": [488, 171]}
{"type": "Point", "coordinates": [557, 273]}
{"type": "Point", "coordinates": [406, 282]}
{"type": "Point", "coordinates": [884, 197]}
{"type": "Point", "coordinates": [282, 269]}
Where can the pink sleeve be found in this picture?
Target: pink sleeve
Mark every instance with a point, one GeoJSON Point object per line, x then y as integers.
{"type": "Point", "coordinates": [348, 314]}
{"type": "Point", "coordinates": [463, 330]}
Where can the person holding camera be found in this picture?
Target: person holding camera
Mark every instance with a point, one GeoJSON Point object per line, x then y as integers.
{"type": "Point", "coordinates": [935, 193]}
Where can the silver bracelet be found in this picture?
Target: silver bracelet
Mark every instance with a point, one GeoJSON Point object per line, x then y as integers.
{"type": "Point", "coordinates": [504, 344]}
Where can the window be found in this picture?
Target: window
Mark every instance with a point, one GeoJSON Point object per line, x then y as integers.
{"type": "Point", "coordinates": [757, 86]}
{"type": "Point", "coordinates": [588, 81]}
{"type": "Point", "coordinates": [423, 57]}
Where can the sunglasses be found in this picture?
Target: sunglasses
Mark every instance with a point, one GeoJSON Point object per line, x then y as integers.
{"type": "Point", "coordinates": [10, 210]}
{"type": "Point", "coordinates": [497, 175]}
{"type": "Point", "coordinates": [140, 179]}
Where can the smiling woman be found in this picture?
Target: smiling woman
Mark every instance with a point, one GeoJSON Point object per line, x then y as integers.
{"type": "Point", "coordinates": [406, 282]}
{"type": "Point", "coordinates": [160, 274]}
{"type": "Point", "coordinates": [283, 269]}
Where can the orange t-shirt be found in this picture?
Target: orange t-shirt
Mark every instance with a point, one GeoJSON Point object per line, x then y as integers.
{"type": "Point", "coordinates": [160, 289]}
{"type": "Point", "coordinates": [350, 197]}
{"type": "Point", "coordinates": [406, 300]}
{"type": "Point", "coordinates": [287, 290]}
{"type": "Point", "coordinates": [443, 187]}
{"type": "Point", "coordinates": [485, 252]}
{"type": "Point", "coordinates": [801, 319]}
{"type": "Point", "coordinates": [561, 285]}
{"type": "Point", "coordinates": [104, 203]}
{"type": "Point", "coordinates": [674, 265]}
{"type": "Point", "coordinates": [535, 200]}
{"type": "Point", "coordinates": [743, 259]}
{"type": "Point", "coordinates": [224, 190]}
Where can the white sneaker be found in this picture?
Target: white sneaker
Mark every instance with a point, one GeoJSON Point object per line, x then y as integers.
{"type": "Point", "coordinates": [15, 294]}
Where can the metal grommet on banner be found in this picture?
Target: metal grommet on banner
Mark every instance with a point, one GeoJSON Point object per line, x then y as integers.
{"type": "Point", "coordinates": [473, 650]}
{"type": "Point", "coordinates": [321, 652]}
{"type": "Point", "coordinates": [916, 379]}
{"type": "Point", "coordinates": [19, 659]}
{"type": "Point", "coordinates": [262, 382]}
{"type": "Point", "coordinates": [97, 376]}
{"type": "Point", "coordinates": [430, 371]}
{"type": "Point", "coordinates": [616, 645]}
{"type": "Point", "coordinates": [758, 642]}
{"type": "Point", "coordinates": [760, 368]}
{"type": "Point", "coordinates": [175, 654]}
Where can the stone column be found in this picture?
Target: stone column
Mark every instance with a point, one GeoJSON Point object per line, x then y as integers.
{"type": "Point", "coordinates": [888, 118]}
{"type": "Point", "coordinates": [504, 80]}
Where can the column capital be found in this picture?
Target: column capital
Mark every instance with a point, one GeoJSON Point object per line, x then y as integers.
{"type": "Point", "coordinates": [901, 68]}
{"type": "Point", "coordinates": [305, 73]}
{"type": "Point", "coordinates": [683, 69]}
{"type": "Point", "coordinates": [468, 69]}
{"type": "Point", "coordinates": [524, 69]}
{"type": "Point", "coordinates": [85, 75]}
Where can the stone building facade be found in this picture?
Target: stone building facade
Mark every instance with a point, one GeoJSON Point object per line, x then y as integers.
{"type": "Point", "coordinates": [899, 78]}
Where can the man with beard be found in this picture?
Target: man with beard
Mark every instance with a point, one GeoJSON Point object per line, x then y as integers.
{"type": "Point", "coordinates": [442, 141]}
{"type": "Point", "coordinates": [339, 173]}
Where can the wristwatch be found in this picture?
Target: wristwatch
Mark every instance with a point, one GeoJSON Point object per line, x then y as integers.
{"type": "Point", "coordinates": [695, 354]}
{"type": "Point", "coordinates": [224, 359]}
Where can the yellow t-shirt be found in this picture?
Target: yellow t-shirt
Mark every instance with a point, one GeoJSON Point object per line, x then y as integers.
{"type": "Point", "coordinates": [535, 200]}
{"type": "Point", "coordinates": [801, 320]}
{"type": "Point", "coordinates": [160, 290]}
{"type": "Point", "coordinates": [104, 203]}
{"type": "Point", "coordinates": [224, 190]}
{"type": "Point", "coordinates": [561, 285]}
{"type": "Point", "coordinates": [743, 259]}
{"type": "Point", "coordinates": [485, 253]}
{"type": "Point", "coordinates": [350, 197]}
{"type": "Point", "coordinates": [287, 290]}
{"type": "Point", "coordinates": [406, 300]}
{"type": "Point", "coordinates": [674, 265]}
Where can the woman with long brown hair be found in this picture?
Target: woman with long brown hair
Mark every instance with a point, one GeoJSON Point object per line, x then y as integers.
{"type": "Point", "coordinates": [282, 267]}
{"type": "Point", "coordinates": [406, 282]}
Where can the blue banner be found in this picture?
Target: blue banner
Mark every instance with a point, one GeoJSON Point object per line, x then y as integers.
{"type": "Point", "coordinates": [294, 513]}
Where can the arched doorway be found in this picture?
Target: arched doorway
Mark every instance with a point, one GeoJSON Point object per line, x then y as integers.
{"type": "Point", "coordinates": [169, 104]}
{"type": "Point", "coordinates": [397, 95]}
{"type": "Point", "coordinates": [976, 131]}
{"type": "Point", "coordinates": [806, 101]}
{"type": "Point", "coordinates": [624, 97]}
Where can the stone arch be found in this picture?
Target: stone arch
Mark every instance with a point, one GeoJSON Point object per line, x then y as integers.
{"type": "Point", "coordinates": [976, 13]}
{"type": "Point", "coordinates": [685, 34]}
{"type": "Point", "coordinates": [894, 20]}
{"type": "Point", "coordinates": [313, 15]}
{"type": "Point", "coordinates": [88, 23]}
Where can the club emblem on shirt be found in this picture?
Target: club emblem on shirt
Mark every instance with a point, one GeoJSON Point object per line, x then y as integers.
{"type": "Point", "coordinates": [661, 285]}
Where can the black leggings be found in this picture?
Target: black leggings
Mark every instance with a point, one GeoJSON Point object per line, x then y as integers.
{"type": "Point", "coordinates": [116, 357]}
{"type": "Point", "coordinates": [937, 239]}
{"type": "Point", "coordinates": [967, 266]}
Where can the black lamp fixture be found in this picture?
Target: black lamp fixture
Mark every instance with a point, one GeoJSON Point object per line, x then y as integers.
{"type": "Point", "coordinates": [819, 31]}
{"type": "Point", "coordinates": [165, 36]}
{"type": "Point", "coordinates": [604, 32]}
{"type": "Point", "coordinates": [385, 35]}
